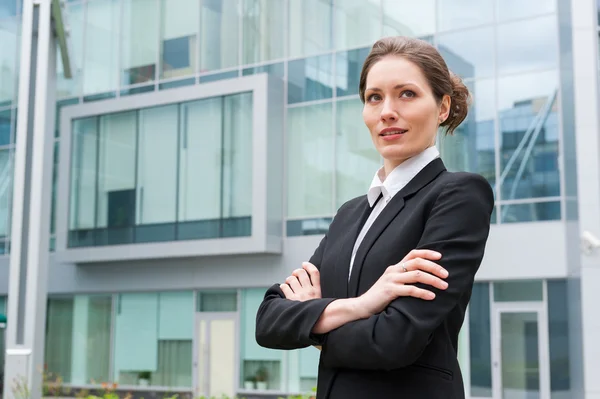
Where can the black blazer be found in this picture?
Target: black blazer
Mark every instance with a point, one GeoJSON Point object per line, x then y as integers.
{"type": "Point", "coordinates": [409, 350]}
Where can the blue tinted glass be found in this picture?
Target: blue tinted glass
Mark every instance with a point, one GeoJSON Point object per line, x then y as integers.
{"type": "Point", "coordinates": [534, 212]}
{"type": "Point", "coordinates": [219, 76]}
{"type": "Point", "coordinates": [469, 53]}
{"type": "Point", "coordinates": [271, 69]}
{"type": "Point", "coordinates": [5, 127]}
{"type": "Point", "coordinates": [480, 341]}
{"type": "Point", "coordinates": [176, 53]}
{"type": "Point", "coordinates": [528, 113]}
{"type": "Point", "coordinates": [308, 227]}
{"type": "Point", "coordinates": [310, 79]}
{"type": "Point", "coordinates": [349, 65]}
{"type": "Point", "coordinates": [558, 328]}
{"type": "Point", "coordinates": [8, 8]}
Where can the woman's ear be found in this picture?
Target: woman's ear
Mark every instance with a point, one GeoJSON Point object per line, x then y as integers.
{"type": "Point", "coordinates": [444, 108]}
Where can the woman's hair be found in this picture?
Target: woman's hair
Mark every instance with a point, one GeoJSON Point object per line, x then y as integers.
{"type": "Point", "coordinates": [432, 65]}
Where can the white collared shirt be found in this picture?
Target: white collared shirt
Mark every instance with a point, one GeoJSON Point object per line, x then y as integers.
{"type": "Point", "coordinates": [390, 186]}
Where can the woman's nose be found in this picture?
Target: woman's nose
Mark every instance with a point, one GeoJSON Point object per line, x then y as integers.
{"type": "Point", "coordinates": [388, 112]}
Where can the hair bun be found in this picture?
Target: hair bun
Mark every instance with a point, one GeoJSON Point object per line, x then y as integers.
{"type": "Point", "coordinates": [459, 104]}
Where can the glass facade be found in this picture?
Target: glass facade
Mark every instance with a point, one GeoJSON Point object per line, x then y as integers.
{"type": "Point", "coordinates": [142, 176]}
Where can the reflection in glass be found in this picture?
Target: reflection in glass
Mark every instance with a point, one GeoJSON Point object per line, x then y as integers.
{"type": "Point", "coordinates": [408, 17]}
{"type": "Point", "coordinates": [472, 146]}
{"type": "Point", "coordinates": [271, 69]}
{"type": "Point", "coordinates": [78, 338]}
{"type": "Point", "coordinates": [8, 8]}
{"type": "Point", "coordinates": [457, 14]}
{"type": "Point", "coordinates": [219, 34]}
{"type": "Point", "coordinates": [480, 347]}
{"type": "Point", "coordinates": [513, 9]}
{"type": "Point", "coordinates": [538, 49]}
{"type": "Point", "coordinates": [310, 161]}
{"type": "Point", "coordinates": [308, 227]}
{"type": "Point", "coordinates": [263, 35]}
{"type": "Point", "coordinates": [531, 212]}
{"type": "Point", "coordinates": [528, 111]}
{"type": "Point", "coordinates": [72, 86]}
{"type": "Point", "coordinates": [310, 79]}
{"type": "Point", "coordinates": [140, 21]}
{"type": "Point", "coordinates": [8, 60]}
{"type": "Point", "coordinates": [348, 67]}
{"type": "Point", "coordinates": [357, 23]}
{"type": "Point", "coordinates": [101, 46]}
{"type": "Point", "coordinates": [519, 354]}
{"type": "Point", "coordinates": [469, 54]}
{"type": "Point", "coordinates": [356, 158]}
{"type": "Point", "coordinates": [310, 23]}
{"type": "Point", "coordinates": [519, 291]}
{"type": "Point", "coordinates": [558, 329]}
{"type": "Point", "coordinates": [178, 38]}
{"type": "Point", "coordinates": [6, 126]}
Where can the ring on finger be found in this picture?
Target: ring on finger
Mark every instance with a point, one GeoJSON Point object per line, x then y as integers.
{"type": "Point", "coordinates": [402, 265]}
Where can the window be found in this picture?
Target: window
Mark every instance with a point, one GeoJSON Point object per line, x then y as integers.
{"type": "Point", "coordinates": [310, 23]}
{"type": "Point", "coordinates": [219, 35]}
{"type": "Point", "coordinates": [263, 30]}
{"type": "Point", "coordinates": [179, 33]}
{"type": "Point", "coordinates": [357, 23]}
{"type": "Point", "coordinates": [78, 336]}
{"type": "Point", "coordinates": [135, 175]}
{"type": "Point", "coordinates": [6, 181]}
{"type": "Point", "coordinates": [2, 336]}
{"type": "Point", "coordinates": [73, 86]}
{"type": "Point", "coordinates": [558, 327]}
{"type": "Point", "coordinates": [9, 73]}
{"type": "Point", "coordinates": [480, 341]}
{"type": "Point", "coordinates": [153, 339]}
{"type": "Point", "coordinates": [408, 18]}
{"type": "Point", "coordinates": [310, 79]}
{"type": "Point", "coordinates": [140, 22]}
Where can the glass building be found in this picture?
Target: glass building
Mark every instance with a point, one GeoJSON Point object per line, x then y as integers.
{"type": "Point", "coordinates": [202, 148]}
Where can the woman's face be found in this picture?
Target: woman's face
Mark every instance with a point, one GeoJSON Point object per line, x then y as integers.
{"type": "Point", "coordinates": [400, 110]}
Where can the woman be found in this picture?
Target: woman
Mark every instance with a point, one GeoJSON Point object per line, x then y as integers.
{"type": "Point", "coordinates": [392, 331]}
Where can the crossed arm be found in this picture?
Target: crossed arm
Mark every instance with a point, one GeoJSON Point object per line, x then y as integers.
{"type": "Point", "coordinates": [457, 227]}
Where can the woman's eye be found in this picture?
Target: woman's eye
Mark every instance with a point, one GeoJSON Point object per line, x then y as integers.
{"type": "Point", "coordinates": [374, 97]}
{"type": "Point", "coordinates": [408, 94]}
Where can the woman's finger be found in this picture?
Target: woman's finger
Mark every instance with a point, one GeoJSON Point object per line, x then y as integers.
{"type": "Point", "coordinates": [419, 276]}
{"type": "Point", "coordinates": [287, 291]}
{"type": "Point", "coordinates": [422, 253]}
{"type": "Point", "coordinates": [313, 272]}
{"type": "Point", "coordinates": [415, 292]}
{"type": "Point", "coordinates": [302, 277]}
{"type": "Point", "coordinates": [294, 284]}
{"type": "Point", "coordinates": [425, 265]}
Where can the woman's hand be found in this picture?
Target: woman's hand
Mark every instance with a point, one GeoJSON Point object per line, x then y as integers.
{"type": "Point", "coordinates": [303, 284]}
{"type": "Point", "coordinates": [398, 279]}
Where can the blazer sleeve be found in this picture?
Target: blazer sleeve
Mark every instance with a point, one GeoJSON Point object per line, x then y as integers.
{"type": "Point", "coordinates": [286, 324]}
{"type": "Point", "coordinates": [457, 227]}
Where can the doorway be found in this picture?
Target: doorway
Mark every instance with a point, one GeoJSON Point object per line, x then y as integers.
{"type": "Point", "coordinates": [520, 354]}
{"type": "Point", "coordinates": [215, 354]}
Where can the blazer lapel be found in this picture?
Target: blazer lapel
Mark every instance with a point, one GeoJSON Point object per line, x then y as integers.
{"type": "Point", "coordinates": [389, 213]}
{"type": "Point", "coordinates": [356, 220]}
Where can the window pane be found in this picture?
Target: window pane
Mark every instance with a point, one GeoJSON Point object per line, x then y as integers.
{"type": "Point", "coordinates": [6, 180]}
{"type": "Point", "coordinates": [263, 30]}
{"type": "Point", "coordinates": [512, 9]}
{"type": "Point", "coordinates": [6, 126]}
{"type": "Point", "coordinates": [83, 174]}
{"type": "Point", "coordinates": [310, 161]}
{"type": "Point", "coordinates": [157, 173]}
{"type": "Point", "coordinates": [153, 339]}
{"type": "Point", "coordinates": [138, 41]}
{"type": "Point", "coordinates": [9, 74]}
{"type": "Point", "coordinates": [8, 8]}
{"type": "Point", "coordinates": [55, 160]}
{"type": "Point", "coordinates": [217, 301]}
{"type": "Point", "coordinates": [528, 112]}
{"type": "Point", "coordinates": [472, 146]}
{"type": "Point", "coordinates": [310, 23]}
{"type": "Point", "coordinates": [456, 14]}
{"type": "Point", "coordinates": [78, 338]}
{"type": "Point", "coordinates": [469, 54]}
{"type": "Point", "coordinates": [101, 46]}
{"type": "Point", "coordinates": [408, 17]}
{"type": "Point", "coordinates": [348, 67]}
{"type": "Point", "coordinates": [558, 328]}
{"type": "Point", "coordinates": [534, 212]}
{"type": "Point", "coordinates": [257, 361]}
{"type": "Point", "coordinates": [310, 79]}
{"type": "Point", "coordinates": [480, 341]}
{"type": "Point", "coordinates": [357, 160]}
{"type": "Point", "coordinates": [116, 199]}
{"type": "Point", "coordinates": [536, 50]}
{"type": "Point", "coordinates": [2, 337]}
{"type": "Point", "coordinates": [219, 34]}
{"type": "Point", "coordinates": [200, 152]}
{"type": "Point", "coordinates": [179, 33]}
{"type": "Point", "coordinates": [72, 86]}
{"type": "Point", "coordinates": [357, 23]}
{"type": "Point", "coordinates": [519, 291]}
{"type": "Point", "coordinates": [272, 69]}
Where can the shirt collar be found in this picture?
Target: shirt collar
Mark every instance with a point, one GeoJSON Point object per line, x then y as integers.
{"type": "Point", "coordinates": [400, 176]}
